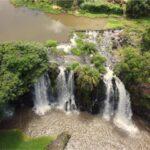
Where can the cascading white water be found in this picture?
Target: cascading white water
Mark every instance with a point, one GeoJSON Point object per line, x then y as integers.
{"type": "Point", "coordinates": [108, 110]}
{"type": "Point", "coordinates": [41, 100]}
{"type": "Point", "coordinates": [66, 47]}
{"type": "Point", "coordinates": [92, 36]}
{"type": "Point", "coordinates": [123, 116]}
{"type": "Point", "coordinates": [66, 99]}
{"type": "Point", "coordinates": [63, 94]}
{"type": "Point", "coordinates": [72, 105]}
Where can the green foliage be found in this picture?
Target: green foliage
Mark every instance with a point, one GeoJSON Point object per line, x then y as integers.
{"type": "Point", "coordinates": [16, 140]}
{"type": "Point", "coordinates": [51, 43]}
{"type": "Point", "coordinates": [101, 7]}
{"type": "Point", "coordinates": [138, 8]}
{"type": "Point", "coordinates": [98, 62]}
{"type": "Point", "coordinates": [134, 69]}
{"type": "Point", "coordinates": [65, 3]}
{"type": "Point", "coordinates": [43, 5]}
{"type": "Point", "coordinates": [54, 51]}
{"type": "Point", "coordinates": [53, 73]}
{"type": "Point", "coordinates": [146, 40]}
{"type": "Point", "coordinates": [76, 51]}
{"type": "Point", "coordinates": [87, 77]}
{"type": "Point", "coordinates": [84, 48]}
{"type": "Point", "coordinates": [20, 65]}
{"type": "Point", "coordinates": [73, 66]}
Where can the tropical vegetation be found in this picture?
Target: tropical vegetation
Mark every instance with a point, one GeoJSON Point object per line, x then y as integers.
{"type": "Point", "coordinates": [21, 64]}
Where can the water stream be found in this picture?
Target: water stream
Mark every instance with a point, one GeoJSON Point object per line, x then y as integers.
{"type": "Point", "coordinates": [41, 99]}
{"type": "Point", "coordinates": [108, 108]}
{"type": "Point", "coordinates": [65, 88]}
{"type": "Point", "coordinates": [123, 117]}
{"type": "Point", "coordinates": [63, 93]}
{"type": "Point", "coordinates": [123, 114]}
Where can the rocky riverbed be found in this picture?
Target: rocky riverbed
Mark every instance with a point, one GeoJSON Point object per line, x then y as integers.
{"type": "Point", "coordinates": [88, 132]}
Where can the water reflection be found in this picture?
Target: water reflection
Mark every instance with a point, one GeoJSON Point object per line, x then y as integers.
{"type": "Point", "coordinates": [25, 24]}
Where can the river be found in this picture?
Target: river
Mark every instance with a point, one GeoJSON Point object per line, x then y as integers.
{"type": "Point", "coordinates": [25, 24]}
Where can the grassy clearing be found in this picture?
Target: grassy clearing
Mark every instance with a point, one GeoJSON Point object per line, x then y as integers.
{"type": "Point", "coordinates": [16, 140]}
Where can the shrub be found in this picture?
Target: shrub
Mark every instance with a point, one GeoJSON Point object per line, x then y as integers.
{"type": "Point", "coordinates": [87, 77]}
{"type": "Point", "coordinates": [138, 8]}
{"type": "Point", "coordinates": [107, 8]}
{"type": "Point", "coordinates": [73, 66]}
{"type": "Point", "coordinates": [68, 4]}
{"type": "Point", "coordinates": [84, 48]}
{"type": "Point", "coordinates": [76, 51]}
{"type": "Point", "coordinates": [54, 51]}
{"type": "Point", "coordinates": [99, 61]}
{"type": "Point", "coordinates": [20, 65]}
{"type": "Point", "coordinates": [51, 43]}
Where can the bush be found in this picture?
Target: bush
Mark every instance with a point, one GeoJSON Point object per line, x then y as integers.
{"type": "Point", "coordinates": [20, 65]}
{"type": "Point", "coordinates": [51, 43]}
{"type": "Point", "coordinates": [138, 8]}
{"type": "Point", "coordinates": [68, 4]}
{"type": "Point", "coordinates": [87, 77]}
{"type": "Point", "coordinates": [76, 51]}
{"type": "Point", "coordinates": [102, 8]}
{"type": "Point", "coordinates": [84, 48]}
{"type": "Point", "coordinates": [99, 61]}
{"type": "Point", "coordinates": [73, 66]}
{"type": "Point", "coordinates": [146, 40]}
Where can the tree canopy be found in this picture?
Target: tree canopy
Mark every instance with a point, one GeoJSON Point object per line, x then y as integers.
{"type": "Point", "coordinates": [20, 64]}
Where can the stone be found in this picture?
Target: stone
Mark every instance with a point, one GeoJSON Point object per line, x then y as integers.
{"type": "Point", "coordinates": [60, 142]}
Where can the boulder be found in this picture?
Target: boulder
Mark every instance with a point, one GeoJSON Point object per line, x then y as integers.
{"type": "Point", "coordinates": [60, 142]}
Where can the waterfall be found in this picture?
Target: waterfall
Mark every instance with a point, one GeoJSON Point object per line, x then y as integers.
{"type": "Point", "coordinates": [92, 36]}
{"type": "Point", "coordinates": [108, 108]}
{"type": "Point", "coordinates": [65, 89]}
{"type": "Point", "coordinates": [63, 94]}
{"type": "Point", "coordinates": [66, 47]}
{"type": "Point", "coordinates": [41, 99]}
{"type": "Point", "coordinates": [72, 105]}
{"type": "Point", "coordinates": [123, 116]}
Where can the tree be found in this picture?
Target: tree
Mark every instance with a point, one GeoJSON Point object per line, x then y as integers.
{"type": "Point", "coordinates": [138, 8]}
{"type": "Point", "coordinates": [20, 65]}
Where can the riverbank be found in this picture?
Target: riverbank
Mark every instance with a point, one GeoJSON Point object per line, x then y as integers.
{"type": "Point", "coordinates": [107, 21]}
{"type": "Point", "coordinates": [85, 9]}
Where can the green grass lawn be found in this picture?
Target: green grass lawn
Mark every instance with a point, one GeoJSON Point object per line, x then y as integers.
{"type": "Point", "coordinates": [16, 140]}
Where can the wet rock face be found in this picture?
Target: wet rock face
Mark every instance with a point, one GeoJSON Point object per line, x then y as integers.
{"type": "Point", "coordinates": [90, 100]}
{"type": "Point", "coordinates": [60, 143]}
{"type": "Point", "coordinates": [26, 99]}
{"type": "Point", "coordinates": [140, 102]}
